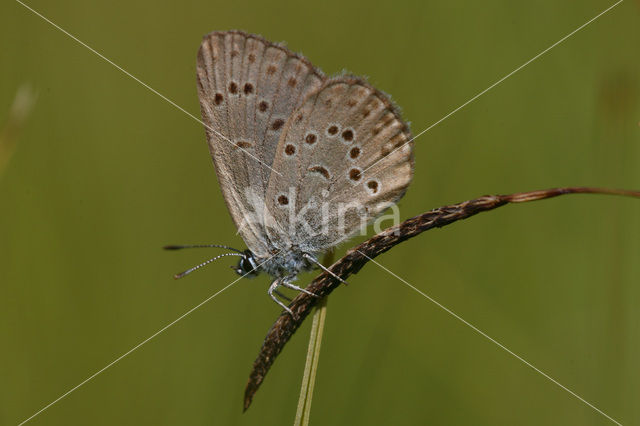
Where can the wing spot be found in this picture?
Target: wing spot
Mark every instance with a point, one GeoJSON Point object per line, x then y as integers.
{"type": "Point", "coordinates": [310, 138]}
{"type": "Point", "coordinates": [248, 88]}
{"type": "Point", "coordinates": [262, 106]}
{"type": "Point", "coordinates": [218, 98]}
{"type": "Point", "coordinates": [234, 53]}
{"type": "Point", "coordinates": [252, 58]}
{"type": "Point", "coordinates": [299, 118]}
{"type": "Point", "coordinates": [292, 82]}
{"type": "Point", "coordinates": [277, 124]}
{"type": "Point", "coordinates": [347, 135]}
{"type": "Point", "coordinates": [233, 87]}
{"type": "Point", "coordinates": [351, 103]}
{"type": "Point", "coordinates": [322, 170]}
{"type": "Point", "coordinates": [332, 130]}
{"type": "Point", "coordinates": [355, 152]}
{"type": "Point", "coordinates": [355, 174]}
{"type": "Point", "coordinates": [373, 186]}
{"type": "Point", "coordinates": [289, 149]}
{"type": "Point", "coordinates": [366, 113]}
{"type": "Point", "coordinates": [244, 144]}
{"type": "Point", "coordinates": [271, 69]}
{"type": "Point", "coordinates": [283, 200]}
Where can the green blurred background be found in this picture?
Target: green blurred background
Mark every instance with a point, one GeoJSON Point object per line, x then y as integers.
{"type": "Point", "coordinates": [105, 173]}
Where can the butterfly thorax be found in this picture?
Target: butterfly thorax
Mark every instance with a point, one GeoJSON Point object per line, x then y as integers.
{"type": "Point", "coordinates": [285, 263]}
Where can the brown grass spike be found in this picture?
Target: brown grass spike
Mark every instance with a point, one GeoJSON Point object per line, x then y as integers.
{"type": "Point", "coordinates": [284, 327]}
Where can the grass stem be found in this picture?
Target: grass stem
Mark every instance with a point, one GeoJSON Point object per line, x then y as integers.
{"type": "Point", "coordinates": [313, 355]}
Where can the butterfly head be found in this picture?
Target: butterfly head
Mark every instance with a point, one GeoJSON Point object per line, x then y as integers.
{"type": "Point", "coordinates": [247, 265]}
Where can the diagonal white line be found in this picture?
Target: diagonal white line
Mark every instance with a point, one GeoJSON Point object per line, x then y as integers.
{"type": "Point", "coordinates": [145, 85]}
{"type": "Point", "coordinates": [138, 346]}
{"type": "Point", "coordinates": [492, 340]}
{"type": "Point", "coordinates": [497, 82]}
{"type": "Point", "coordinates": [405, 282]}
{"type": "Point", "coordinates": [126, 353]}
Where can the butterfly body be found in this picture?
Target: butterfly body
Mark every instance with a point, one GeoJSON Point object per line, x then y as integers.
{"type": "Point", "coordinates": [304, 161]}
{"type": "Point", "coordinates": [286, 262]}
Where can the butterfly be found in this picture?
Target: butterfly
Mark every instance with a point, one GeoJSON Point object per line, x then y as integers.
{"type": "Point", "coordinates": [303, 160]}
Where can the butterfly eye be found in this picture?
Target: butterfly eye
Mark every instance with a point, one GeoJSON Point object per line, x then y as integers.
{"type": "Point", "coordinates": [247, 265]}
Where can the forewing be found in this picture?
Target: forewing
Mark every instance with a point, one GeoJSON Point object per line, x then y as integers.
{"type": "Point", "coordinates": [248, 88]}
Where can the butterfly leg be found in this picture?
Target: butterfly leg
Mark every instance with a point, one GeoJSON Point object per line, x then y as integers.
{"type": "Point", "coordinates": [324, 268]}
{"type": "Point", "coordinates": [286, 282]}
{"type": "Point", "coordinates": [282, 296]}
{"type": "Point", "coordinates": [273, 289]}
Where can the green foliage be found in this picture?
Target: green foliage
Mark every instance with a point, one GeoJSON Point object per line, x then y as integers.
{"type": "Point", "coordinates": [105, 173]}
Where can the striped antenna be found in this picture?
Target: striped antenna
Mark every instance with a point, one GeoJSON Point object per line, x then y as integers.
{"type": "Point", "coordinates": [190, 270]}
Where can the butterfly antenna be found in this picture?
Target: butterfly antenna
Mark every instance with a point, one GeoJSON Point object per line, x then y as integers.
{"type": "Point", "coordinates": [190, 270]}
{"type": "Point", "coordinates": [179, 247]}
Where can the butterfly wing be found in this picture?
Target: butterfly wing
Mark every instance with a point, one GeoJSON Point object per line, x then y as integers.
{"type": "Point", "coordinates": [349, 156]}
{"type": "Point", "coordinates": [248, 88]}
